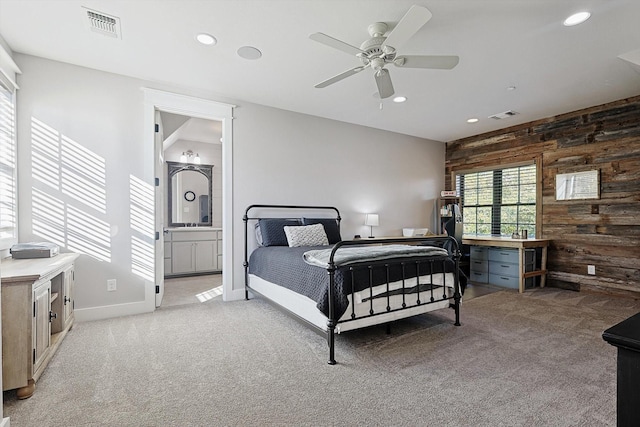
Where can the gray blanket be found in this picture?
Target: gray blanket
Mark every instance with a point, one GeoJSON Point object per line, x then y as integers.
{"type": "Point", "coordinates": [356, 254]}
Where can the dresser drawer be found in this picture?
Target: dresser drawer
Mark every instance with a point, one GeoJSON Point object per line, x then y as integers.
{"type": "Point", "coordinates": [511, 255]}
{"type": "Point", "coordinates": [478, 277]}
{"type": "Point", "coordinates": [479, 266]}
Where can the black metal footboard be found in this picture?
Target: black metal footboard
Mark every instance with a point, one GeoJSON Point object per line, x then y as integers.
{"type": "Point", "coordinates": [418, 295]}
{"type": "Point", "coordinates": [397, 271]}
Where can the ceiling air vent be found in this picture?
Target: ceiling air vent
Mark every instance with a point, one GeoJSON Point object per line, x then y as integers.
{"type": "Point", "coordinates": [504, 115]}
{"type": "Point", "coordinates": [102, 23]}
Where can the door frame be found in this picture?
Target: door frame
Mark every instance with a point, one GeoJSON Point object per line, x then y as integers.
{"type": "Point", "coordinates": [204, 109]}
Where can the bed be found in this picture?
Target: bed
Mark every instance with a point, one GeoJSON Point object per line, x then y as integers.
{"type": "Point", "coordinates": [301, 264]}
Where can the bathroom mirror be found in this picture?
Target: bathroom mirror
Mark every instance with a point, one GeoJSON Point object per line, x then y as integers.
{"type": "Point", "coordinates": [189, 192]}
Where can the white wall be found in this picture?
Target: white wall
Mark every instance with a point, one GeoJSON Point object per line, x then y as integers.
{"type": "Point", "coordinates": [102, 113]}
{"type": "Point", "coordinates": [282, 157]}
{"type": "Point", "coordinates": [279, 157]}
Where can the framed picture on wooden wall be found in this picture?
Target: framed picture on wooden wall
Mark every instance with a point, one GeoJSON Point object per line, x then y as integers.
{"type": "Point", "coordinates": [578, 185]}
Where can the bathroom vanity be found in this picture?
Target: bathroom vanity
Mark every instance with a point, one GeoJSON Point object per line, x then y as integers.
{"type": "Point", "coordinates": [192, 250]}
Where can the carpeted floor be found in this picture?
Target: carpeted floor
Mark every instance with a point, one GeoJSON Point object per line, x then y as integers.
{"type": "Point", "coordinates": [532, 359]}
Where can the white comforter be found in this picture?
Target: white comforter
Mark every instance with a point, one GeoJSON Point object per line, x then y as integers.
{"type": "Point", "coordinates": [353, 254]}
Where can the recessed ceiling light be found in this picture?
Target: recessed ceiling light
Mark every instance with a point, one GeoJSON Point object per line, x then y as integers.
{"type": "Point", "coordinates": [206, 39]}
{"type": "Point", "coordinates": [576, 18]}
{"type": "Point", "coordinates": [400, 99]}
{"type": "Point", "coordinates": [249, 52]}
{"type": "Point", "coordinates": [472, 120]}
{"type": "Point", "coordinates": [511, 88]}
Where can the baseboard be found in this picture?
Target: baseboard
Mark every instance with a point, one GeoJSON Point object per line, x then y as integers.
{"type": "Point", "coordinates": [6, 422]}
{"type": "Point", "coordinates": [110, 311]}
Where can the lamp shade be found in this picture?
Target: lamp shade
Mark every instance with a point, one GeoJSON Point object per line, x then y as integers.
{"type": "Point", "coordinates": [371, 219]}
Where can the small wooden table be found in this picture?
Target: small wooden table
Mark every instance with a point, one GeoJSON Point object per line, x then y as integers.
{"type": "Point", "coordinates": [521, 244]}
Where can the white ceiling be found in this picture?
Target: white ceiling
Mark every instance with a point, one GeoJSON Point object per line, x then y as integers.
{"type": "Point", "coordinates": [182, 128]}
{"type": "Point", "coordinates": [501, 43]}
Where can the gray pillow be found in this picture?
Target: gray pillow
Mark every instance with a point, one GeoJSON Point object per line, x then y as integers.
{"type": "Point", "coordinates": [330, 227]}
{"type": "Point", "coordinates": [272, 230]}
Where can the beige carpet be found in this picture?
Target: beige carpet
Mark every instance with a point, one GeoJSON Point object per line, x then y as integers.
{"type": "Point", "coordinates": [535, 359]}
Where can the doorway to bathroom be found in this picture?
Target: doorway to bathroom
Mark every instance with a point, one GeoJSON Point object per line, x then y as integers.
{"type": "Point", "coordinates": [193, 206]}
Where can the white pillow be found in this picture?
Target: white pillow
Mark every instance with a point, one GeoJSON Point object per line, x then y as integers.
{"type": "Point", "coordinates": [306, 235]}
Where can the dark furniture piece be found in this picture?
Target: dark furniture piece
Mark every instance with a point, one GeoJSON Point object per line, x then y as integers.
{"type": "Point", "coordinates": [626, 336]}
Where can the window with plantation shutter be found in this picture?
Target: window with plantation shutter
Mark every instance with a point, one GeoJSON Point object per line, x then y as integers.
{"type": "Point", "coordinates": [498, 202]}
{"type": "Point", "coordinates": [8, 178]}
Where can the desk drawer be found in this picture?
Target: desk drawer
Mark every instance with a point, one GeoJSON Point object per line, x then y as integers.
{"type": "Point", "coordinates": [511, 255]}
{"type": "Point", "coordinates": [507, 269]}
{"type": "Point", "coordinates": [509, 282]}
{"type": "Point", "coordinates": [478, 252]}
{"type": "Point", "coordinates": [479, 266]}
{"type": "Point", "coordinates": [478, 277]}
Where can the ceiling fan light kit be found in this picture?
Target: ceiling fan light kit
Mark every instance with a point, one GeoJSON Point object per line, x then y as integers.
{"type": "Point", "coordinates": [380, 50]}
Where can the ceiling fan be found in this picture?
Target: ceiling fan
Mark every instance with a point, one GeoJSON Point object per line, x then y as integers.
{"type": "Point", "coordinates": [380, 50]}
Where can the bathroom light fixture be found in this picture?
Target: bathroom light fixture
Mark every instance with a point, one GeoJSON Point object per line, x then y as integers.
{"type": "Point", "coordinates": [576, 18]}
{"type": "Point", "coordinates": [206, 39]}
{"type": "Point", "coordinates": [187, 155]}
{"type": "Point", "coordinates": [371, 220]}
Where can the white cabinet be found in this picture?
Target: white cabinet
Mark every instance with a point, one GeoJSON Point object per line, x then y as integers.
{"type": "Point", "coordinates": [193, 257]}
{"type": "Point", "coordinates": [193, 252]}
{"type": "Point", "coordinates": [41, 323]}
{"type": "Point", "coordinates": [37, 313]}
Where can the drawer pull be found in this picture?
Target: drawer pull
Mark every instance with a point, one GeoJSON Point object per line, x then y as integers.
{"type": "Point", "coordinates": [504, 266]}
{"type": "Point", "coordinates": [52, 316]}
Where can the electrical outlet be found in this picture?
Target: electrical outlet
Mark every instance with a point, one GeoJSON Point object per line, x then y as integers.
{"type": "Point", "coordinates": [591, 269]}
{"type": "Point", "coordinates": [111, 285]}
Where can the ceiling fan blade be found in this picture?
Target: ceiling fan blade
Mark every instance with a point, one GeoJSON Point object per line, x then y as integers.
{"type": "Point", "coordinates": [383, 80]}
{"type": "Point", "coordinates": [335, 43]}
{"type": "Point", "coordinates": [410, 23]}
{"type": "Point", "coordinates": [439, 62]}
{"type": "Point", "coordinates": [340, 76]}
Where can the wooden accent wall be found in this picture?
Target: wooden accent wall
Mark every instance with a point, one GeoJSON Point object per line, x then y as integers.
{"type": "Point", "coordinates": [603, 232]}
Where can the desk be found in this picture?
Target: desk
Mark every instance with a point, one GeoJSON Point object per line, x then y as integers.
{"type": "Point", "coordinates": [521, 245]}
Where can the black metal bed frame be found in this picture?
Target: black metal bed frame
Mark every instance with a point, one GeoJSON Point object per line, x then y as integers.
{"type": "Point", "coordinates": [428, 289]}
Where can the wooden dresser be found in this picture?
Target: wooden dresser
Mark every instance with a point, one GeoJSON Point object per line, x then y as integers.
{"type": "Point", "coordinates": [37, 312]}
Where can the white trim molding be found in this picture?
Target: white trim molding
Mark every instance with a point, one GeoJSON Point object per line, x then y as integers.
{"type": "Point", "coordinates": [110, 311]}
{"type": "Point", "coordinates": [205, 109]}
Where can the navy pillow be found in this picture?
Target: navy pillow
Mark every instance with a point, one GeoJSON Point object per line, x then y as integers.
{"type": "Point", "coordinates": [272, 230]}
{"type": "Point", "coordinates": [330, 227]}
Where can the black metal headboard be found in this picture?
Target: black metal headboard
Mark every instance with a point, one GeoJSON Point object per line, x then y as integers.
{"type": "Point", "coordinates": [246, 218]}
